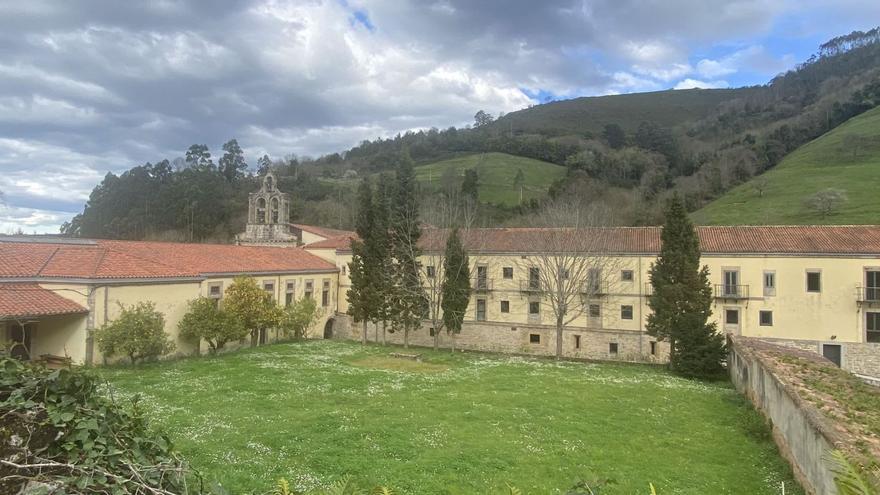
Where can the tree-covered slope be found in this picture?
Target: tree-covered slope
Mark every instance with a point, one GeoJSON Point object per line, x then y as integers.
{"type": "Point", "coordinates": [846, 158]}
{"type": "Point", "coordinates": [496, 176]}
{"type": "Point", "coordinates": [589, 115]}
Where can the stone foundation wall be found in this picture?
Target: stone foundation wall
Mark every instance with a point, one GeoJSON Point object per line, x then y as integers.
{"type": "Point", "coordinates": [632, 346]}
{"type": "Point", "coordinates": [856, 357]}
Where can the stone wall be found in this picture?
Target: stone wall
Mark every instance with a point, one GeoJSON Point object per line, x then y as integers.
{"type": "Point", "coordinates": [860, 358]}
{"type": "Point", "coordinates": [578, 343]}
{"type": "Point", "coordinates": [804, 437]}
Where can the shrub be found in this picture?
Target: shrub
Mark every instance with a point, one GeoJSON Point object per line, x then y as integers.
{"type": "Point", "coordinates": [206, 321]}
{"type": "Point", "coordinates": [297, 318]}
{"type": "Point", "coordinates": [826, 201]}
{"type": "Point", "coordinates": [138, 333]}
{"type": "Point", "coordinates": [59, 434]}
{"type": "Point", "coordinates": [251, 306]}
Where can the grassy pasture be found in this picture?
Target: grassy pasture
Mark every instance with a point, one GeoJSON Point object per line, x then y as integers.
{"type": "Point", "coordinates": [452, 424]}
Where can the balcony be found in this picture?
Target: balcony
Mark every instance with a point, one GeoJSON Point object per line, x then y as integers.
{"type": "Point", "coordinates": [481, 284]}
{"type": "Point", "coordinates": [732, 292]}
{"type": "Point", "coordinates": [649, 290]}
{"type": "Point", "coordinates": [531, 286]}
{"type": "Point", "coordinates": [868, 295]}
{"type": "Point", "coordinates": [595, 289]}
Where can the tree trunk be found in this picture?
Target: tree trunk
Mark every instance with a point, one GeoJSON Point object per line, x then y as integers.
{"type": "Point", "coordinates": [364, 339]}
{"type": "Point", "coordinates": [376, 332]}
{"type": "Point", "coordinates": [452, 336]}
{"type": "Point", "coordinates": [436, 337]}
{"type": "Point", "coordinates": [406, 337]}
{"type": "Point", "coordinates": [558, 337]}
{"type": "Point", "coordinates": [384, 323]}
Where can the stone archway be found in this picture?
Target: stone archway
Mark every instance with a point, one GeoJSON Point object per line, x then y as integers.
{"type": "Point", "coordinates": [328, 329]}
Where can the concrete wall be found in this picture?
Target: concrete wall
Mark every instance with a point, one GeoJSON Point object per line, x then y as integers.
{"type": "Point", "coordinates": [803, 436]}
{"type": "Point", "coordinates": [861, 358]}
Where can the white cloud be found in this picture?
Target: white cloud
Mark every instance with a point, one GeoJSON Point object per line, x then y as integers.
{"type": "Point", "coordinates": [696, 83]}
{"type": "Point", "coordinates": [30, 220]}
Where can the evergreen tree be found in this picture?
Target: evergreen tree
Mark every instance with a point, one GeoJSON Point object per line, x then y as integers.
{"type": "Point", "coordinates": [409, 303]}
{"type": "Point", "coordinates": [470, 187]}
{"type": "Point", "coordinates": [362, 296]}
{"type": "Point", "coordinates": [681, 302]}
{"type": "Point", "coordinates": [232, 164]}
{"type": "Point", "coordinates": [456, 285]}
{"type": "Point", "coordinates": [380, 246]}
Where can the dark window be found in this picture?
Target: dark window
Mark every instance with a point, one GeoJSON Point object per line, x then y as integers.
{"type": "Point", "coordinates": [309, 288]}
{"type": "Point", "coordinates": [769, 283]}
{"type": "Point", "coordinates": [507, 272]}
{"type": "Point", "coordinates": [626, 312]}
{"type": "Point", "coordinates": [432, 272]}
{"type": "Point", "coordinates": [534, 278]}
{"type": "Point", "coordinates": [325, 298]}
{"type": "Point", "coordinates": [482, 281]}
{"type": "Point", "coordinates": [269, 287]}
{"type": "Point", "coordinates": [534, 338]}
{"type": "Point", "coordinates": [595, 311]}
{"type": "Point", "coordinates": [731, 316]}
{"type": "Point", "coordinates": [481, 310]}
{"type": "Point", "coordinates": [814, 282]}
{"type": "Point", "coordinates": [431, 331]}
{"type": "Point", "coordinates": [612, 348]}
{"type": "Point", "coordinates": [653, 348]}
{"type": "Point", "coordinates": [505, 306]}
{"type": "Point", "coordinates": [594, 280]}
{"type": "Point", "coordinates": [577, 341]}
{"type": "Point", "coordinates": [872, 324]}
{"type": "Point", "coordinates": [766, 318]}
{"type": "Point", "coordinates": [534, 308]}
{"type": "Point", "coordinates": [215, 290]}
{"type": "Point", "coordinates": [288, 299]}
{"type": "Point", "coordinates": [626, 275]}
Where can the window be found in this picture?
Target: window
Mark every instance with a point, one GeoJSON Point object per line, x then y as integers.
{"type": "Point", "coordinates": [289, 293]}
{"type": "Point", "coordinates": [325, 293]}
{"type": "Point", "coordinates": [288, 298]}
{"type": "Point", "coordinates": [653, 348]}
{"type": "Point", "coordinates": [594, 280]}
{"type": "Point", "coordinates": [766, 318]}
{"type": "Point", "coordinates": [769, 283]}
{"type": "Point", "coordinates": [343, 269]}
{"type": "Point", "coordinates": [595, 311]}
{"type": "Point", "coordinates": [626, 312]}
{"type": "Point", "coordinates": [431, 271]}
{"type": "Point", "coordinates": [505, 306]}
{"type": "Point", "coordinates": [565, 273]}
{"type": "Point", "coordinates": [731, 316]}
{"type": "Point", "coordinates": [215, 290]}
{"type": "Point", "coordinates": [612, 348]}
{"type": "Point", "coordinates": [310, 287]}
{"type": "Point", "coordinates": [270, 288]}
{"type": "Point", "coordinates": [626, 275]}
{"type": "Point", "coordinates": [534, 308]}
{"type": "Point", "coordinates": [431, 331]}
{"type": "Point", "coordinates": [482, 278]}
{"type": "Point", "coordinates": [507, 272]}
{"type": "Point", "coordinates": [872, 325]}
{"type": "Point", "coordinates": [577, 341]}
{"type": "Point", "coordinates": [872, 285]}
{"type": "Point", "coordinates": [534, 338]}
{"type": "Point", "coordinates": [481, 310]}
{"type": "Point", "coordinates": [534, 278]}
{"type": "Point", "coordinates": [731, 283]}
{"type": "Point", "coordinates": [814, 281]}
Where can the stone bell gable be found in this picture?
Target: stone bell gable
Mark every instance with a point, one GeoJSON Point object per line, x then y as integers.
{"type": "Point", "coordinates": [268, 221]}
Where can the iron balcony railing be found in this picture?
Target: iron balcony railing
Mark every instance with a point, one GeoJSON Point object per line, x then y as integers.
{"type": "Point", "coordinates": [481, 284]}
{"type": "Point", "coordinates": [868, 294]}
{"type": "Point", "coordinates": [730, 291]}
{"type": "Point", "coordinates": [649, 289]}
{"type": "Point", "coordinates": [595, 289]}
{"type": "Point", "coordinates": [530, 286]}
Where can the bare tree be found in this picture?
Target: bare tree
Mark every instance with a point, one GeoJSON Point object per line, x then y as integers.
{"type": "Point", "coordinates": [571, 264]}
{"type": "Point", "coordinates": [826, 201]}
{"type": "Point", "coordinates": [760, 184]}
{"type": "Point", "coordinates": [442, 214]}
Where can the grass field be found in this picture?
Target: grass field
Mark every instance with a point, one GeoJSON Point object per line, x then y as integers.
{"type": "Point", "coordinates": [496, 173]}
{"type": "Point", "coordinates": [454, 424]}
{"type": "Point", "coordinates": [828, 161]}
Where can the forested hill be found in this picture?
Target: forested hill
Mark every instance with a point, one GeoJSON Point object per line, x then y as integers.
{"type": "Point", "coordinates": [629, 152]}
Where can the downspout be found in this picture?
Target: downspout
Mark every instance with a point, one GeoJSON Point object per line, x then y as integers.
{"type": "Point", "coordinates": [641, 289]}
{"type": "Point", "coordinates": [90, 326]}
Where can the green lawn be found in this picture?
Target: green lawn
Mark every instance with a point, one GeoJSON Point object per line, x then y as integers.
{"type": "Point", "coordinates": [828, 161]}
{"type": "Point", "coordinates": [496, 173]}
{"type": "Point", "coordinates": [456, 424]}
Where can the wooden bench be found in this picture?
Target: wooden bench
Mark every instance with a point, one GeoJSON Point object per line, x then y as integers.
{"type": "Point", "coordinates": [414, 357]}
{"type": "Point", "coordinates": [53, 361]}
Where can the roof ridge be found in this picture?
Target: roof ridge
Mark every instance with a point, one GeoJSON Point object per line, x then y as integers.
{"type": "Point", "coordinates": [48, 260]}
{"type": "Point", "coordinates": [98, 261]}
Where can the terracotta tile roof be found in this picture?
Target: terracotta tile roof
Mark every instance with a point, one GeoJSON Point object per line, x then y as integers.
{"type": "Point", "coordinates": [136, 259]}
{"type": "Point", "coordinates": [27, 300]}
{"type": "Point", "coordinates": [342, 243]}
{"type": "Point", "coordinates": [324, 232]}
{"type": "Point", "coordinates": [802, 239]}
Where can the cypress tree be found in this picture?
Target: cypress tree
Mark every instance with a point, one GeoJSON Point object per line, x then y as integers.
{"type": "Point", "coordinates": [380, 245]}
{"type": "Point", "coordinates": [362, 296]}
{"type": "Point", "coordinates": [456, 285]}
{"type": "Point", "coordinates": [681, 302]}
{"type": "Point", "coordinates": [410, 303]}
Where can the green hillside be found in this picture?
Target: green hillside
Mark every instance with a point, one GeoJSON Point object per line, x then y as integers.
{"type": "Point", "coordinates": [590, 114]}
{"type": "Point", "coordinates": [846, 158]}
{"type": "Point", "coordinates": [496, 173]}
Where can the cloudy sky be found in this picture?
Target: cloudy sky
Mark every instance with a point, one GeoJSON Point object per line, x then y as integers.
{"type": "Point", "coordinates": [88, 87]}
